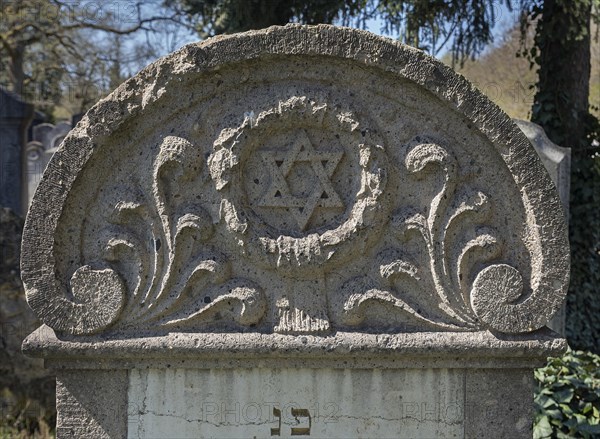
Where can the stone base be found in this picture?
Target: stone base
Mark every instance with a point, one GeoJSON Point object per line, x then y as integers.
{"type": "Point", "coordinates": [91, 404]}
{"type": "Point", "coordinates": [320, 403]}
{"type": "Point", "coordinates": [422, 385]}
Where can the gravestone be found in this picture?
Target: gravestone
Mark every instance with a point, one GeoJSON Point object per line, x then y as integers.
{"type": "Point", "coordinates": [38, 119]}
{"type": "Point", "coordinates": [15, 116]}
{"type": "Point", "coordinates": [46, 139]}
{"type": "Point", "coordinates": [557, 161]}
{"type": "Point", "coordinates": [299, 231]}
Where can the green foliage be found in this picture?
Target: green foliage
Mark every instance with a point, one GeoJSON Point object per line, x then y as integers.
{"type": "Point", "coordinates": [214, 17]}
{"type": "Point", "coordinates": [16, 433]}
{"type": "Point", "coordinates": [24, 418]}
{"type": "Point", "coordinates": [567, 400]}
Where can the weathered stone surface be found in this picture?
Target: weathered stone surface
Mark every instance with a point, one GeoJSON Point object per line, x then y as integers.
{"type": "Point", "coordinates": [394, 197]}
{"type": "Point", "coordinates": [289, 199]}
{"type": "Point", "coordinates": [353, 350]}
{"type": "Point", "coordinates": [322, 403]}
{"type": "Point", "coordinates": [557, 161]}
{"type": "Point", "coordinates": [499, 403]}
{"type": "Point", "coordinates": [91, 404]}
{"type": "Point", "coordinates": [330, 403]}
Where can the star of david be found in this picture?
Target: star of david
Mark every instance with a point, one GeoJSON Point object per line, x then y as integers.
{"type": "Point", "coordinates": [280, 163]}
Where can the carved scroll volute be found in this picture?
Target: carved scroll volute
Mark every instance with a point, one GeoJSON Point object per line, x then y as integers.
{"type": "Point", "coordinates": [178, 283]}
{"type": "Point", "coordinates": [498, 298]}
{"type": "Point", "coordinates": [98, 297]}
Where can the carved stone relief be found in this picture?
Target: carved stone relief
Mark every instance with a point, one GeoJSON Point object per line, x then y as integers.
{"type": "Point", "coordinates": [278, 191]}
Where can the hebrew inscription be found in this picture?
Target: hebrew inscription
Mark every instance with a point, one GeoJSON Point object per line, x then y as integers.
{"type": "Point", "coordinates": [297, 190]}
{"type": "Point", "coordinates": [276, 431]}
{"type": "Point", "coordinates": [299, 415]}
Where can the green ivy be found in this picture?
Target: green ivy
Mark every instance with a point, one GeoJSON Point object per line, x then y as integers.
{"type": "Point", "coordinates": [567, 400]}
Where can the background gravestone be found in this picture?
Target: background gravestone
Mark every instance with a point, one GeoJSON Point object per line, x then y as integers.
{"type": "Point", "coordinates": [15, 116]}
{"type": "Point", "coordinates": [46, 139]}
{"type": "Point", "coordinates": [300, 231]}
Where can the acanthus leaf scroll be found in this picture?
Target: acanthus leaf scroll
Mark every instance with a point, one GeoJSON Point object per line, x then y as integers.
{"type": "Point", "coordinates": [495, 299]}
{"type": "Point", "coordinates": [174, 280]}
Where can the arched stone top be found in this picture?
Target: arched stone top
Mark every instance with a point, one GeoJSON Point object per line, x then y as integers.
{"type": "Point", "coordinates": [295, 180]}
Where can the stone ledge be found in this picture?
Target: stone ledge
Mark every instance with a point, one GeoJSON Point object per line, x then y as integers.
{"type": "Point", "coordinates": [342, 350]}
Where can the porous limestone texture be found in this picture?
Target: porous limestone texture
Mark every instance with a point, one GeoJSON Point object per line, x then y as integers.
{"type": "Point", "coordinates": [557, 161]}
{"type": "Point", "coordinates": [91, 404]}
{"type": "Point", "coordinates": [289, 199]}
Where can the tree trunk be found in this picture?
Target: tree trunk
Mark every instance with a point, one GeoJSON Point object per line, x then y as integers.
{"type": "Point", "coordinates": [561, 103]}
{"type": "Point", "coordinates": [16, 75]}
{"type": "Point", "coordinates": [561, 107]}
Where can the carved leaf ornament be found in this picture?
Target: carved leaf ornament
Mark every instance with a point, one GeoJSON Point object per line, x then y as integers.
{"type": "Point", "coordinates": [295, 180]}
